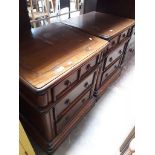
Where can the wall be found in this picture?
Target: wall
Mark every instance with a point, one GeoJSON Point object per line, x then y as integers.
{"type": "Point", "coordinates": [124, 8]}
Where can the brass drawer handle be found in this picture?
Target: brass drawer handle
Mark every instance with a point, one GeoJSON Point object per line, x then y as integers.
{"type": "Point", "coordinates": [67, 83]}
{"type": "Point", "coordinates": [86, 85]}
{"type": "Point", "coordinates": [88, 67]}
{"type": "Point", "coordinates": [110, 59]}
{"type": "Point", "coordinates": [67, 102]}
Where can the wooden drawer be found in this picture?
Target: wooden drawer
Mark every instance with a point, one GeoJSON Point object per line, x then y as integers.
{"type": "Point", "coordinates": [113, 42]}
{"type": "Point", "coordinates": [58, 89]}
{"type": "Point", "coordinates": [87, 67]}
{"type": "Point", "coordinates": [71, 112]}
{"type": "Point", "coordinates": [114, 55]}
{"type": "Point", "coordinates": [123, 35]}
{"type": "Point", "coordinates": [107, 73]}
{"type": "Point", "coordinates": [133, 35]}
{"type": "Point", "coordinates": [70, 97]}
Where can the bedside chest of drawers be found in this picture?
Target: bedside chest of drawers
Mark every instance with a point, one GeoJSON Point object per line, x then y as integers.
{"type": "Point", "coordinates": [117, 31]}
{"type": "Point", "coordinates": [130, 51]}
{"type": "Point", "coordinates": [59, 68]}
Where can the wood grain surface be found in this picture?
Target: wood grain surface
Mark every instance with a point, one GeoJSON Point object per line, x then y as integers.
{"type": "Point", "coordinates": [53, 51]}
{"type": "Point", "coordinates": [100, 24]}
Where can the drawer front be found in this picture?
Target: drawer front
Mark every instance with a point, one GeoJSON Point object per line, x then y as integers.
{"type": "Point", "coordinates": [114, 55]}
{"type": "Point", "coordinates": [129, 52]}
{"type": "Point", "coordinates": [110, 71]}
{"type": "Point", "coordinates": [133, 32]}
{"type": "Point", "coordinates": [133, 35]}
{"type": "Point", "coordinates": [87, 67]}
{"type": "Point", "coordinates": [123, 35]}
{"type": "Point", "coordinates": [70, 114]}
{"type": "Point", "coordinates": [58, 89]}
{"type": "Point", "coordinates": [69, 98]}
{"type": "Point", "coordinates": [113, 42]}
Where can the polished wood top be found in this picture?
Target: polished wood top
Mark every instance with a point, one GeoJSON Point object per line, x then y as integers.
{"type": "Point", "coordinates": [103, 25]}
{"type": "Point", "coordinates": [54, 50]}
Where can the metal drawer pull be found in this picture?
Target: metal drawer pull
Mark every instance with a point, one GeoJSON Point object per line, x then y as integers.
{"type": "Point", "coordinates": [113, 43]}
{"type": "Point", "coordinates": [86, 85]}
{"type": "Point", "coordinates": [124, 35]}
{"type": "Point", "coordinates": [110, 59]}
{"type": "Point", "coordinates": [88, 67]}
{"type": "Point", "coordinates": [116, 67]}
{"type": "Point", "coordinates": [67, 102]}
{"type": "Point", "coordinates": [66, 119]}
{"type": "Point", "coordinates": [106, 74]}
{"type": "Point", "coordinates": [67, 83]}
{"type": "Point", "coordinates": [130, 50]}
{"type": "Point", "coordinates": [83, 100]}
{"type": "Point", "coordinates": [120, 51]}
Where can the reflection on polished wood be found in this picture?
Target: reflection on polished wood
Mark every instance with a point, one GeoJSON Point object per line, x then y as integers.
{"type": "Point", "coordinates": [65, 69]}
{"type": "Point", "coordinates": [53, 51]}
{"type": "Point", "coordinates": [101, 24]}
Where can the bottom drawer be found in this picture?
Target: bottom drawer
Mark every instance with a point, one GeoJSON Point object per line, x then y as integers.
{"type": "Point", "coordinates": [61, 124]}
{"type": "Point", "coordinates": [107, 73]}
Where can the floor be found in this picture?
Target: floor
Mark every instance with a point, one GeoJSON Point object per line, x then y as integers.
{"type": "Point", "coordinates": [106, 126]}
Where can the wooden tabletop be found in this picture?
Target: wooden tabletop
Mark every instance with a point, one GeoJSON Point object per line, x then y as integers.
{"type": "Point", "coordinates": [100, 24]}
{"type": "Point", "coordinates": [52, 51]}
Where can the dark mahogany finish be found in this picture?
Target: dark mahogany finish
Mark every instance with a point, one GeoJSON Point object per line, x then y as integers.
{"type": "Point", "coordinates": [116, 30]}
{"type": "Point", "coordinates": [58, 75]}
{"type": "Point", "coordinates": [103, 25]}
{"type": "Point", "coordinates": [64, 70]}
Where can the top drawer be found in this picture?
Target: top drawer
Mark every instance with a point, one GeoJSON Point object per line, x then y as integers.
{"type": "Point", "coordinates": [58, 89]}
{"type": "Point", "coordinates": [72, 95]}
{"type": "Point", "coordinates": [88, 66]}
{"type": "Point", "coordinates": [123, 35]}
{"type": "Point", "coordinates": [113, 42]}
{"type": "Point", "coordinates": [114, 55]}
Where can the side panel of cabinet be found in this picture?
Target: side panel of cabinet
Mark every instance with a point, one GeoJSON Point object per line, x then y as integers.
{"type": "Point", "coordinates": [43, 122]}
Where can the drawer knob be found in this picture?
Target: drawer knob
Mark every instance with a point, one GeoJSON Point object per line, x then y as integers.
{"type": "Point", "coordinates": [116, 66]}
{"type": "Point", "coordinates": [67, 83]}
{"type": "Point", "coordinates": [110, 59]}
{"type": "Point", "coordinates": [113, 43]}
{"type": "Point", "coordinates": [66, 119]}
{"type": "Point", "coordinates": [124, 35]}
{"type": "Point", "coordinates": [67, 102]}
{"type": "Point", "coordinates": [120, 51]}
{"type": "Point", "coordinates": [88, 67]}
{"type": "Point", "coordinates": [83, 100]}
{"type": "Point", "coordinates": [106, 74]}
{"type": "Point", "coordinates": [130, 50]}
{"type": "Point", "coordinates": [86, 85]}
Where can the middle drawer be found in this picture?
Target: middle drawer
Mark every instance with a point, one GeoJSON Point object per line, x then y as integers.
{"type": "Point", "coordinates": [88, 66]}
{"type": "Point", "coordinates": [114, 54]}
{"type": "Point", "coordinates": [65, 84]}
{"type": "Point", "coordinates": [108, 73]}
{"type": "Point", "coordinates": [71, 96]}
{"type": "Point", "coordinates": [72, 112]}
